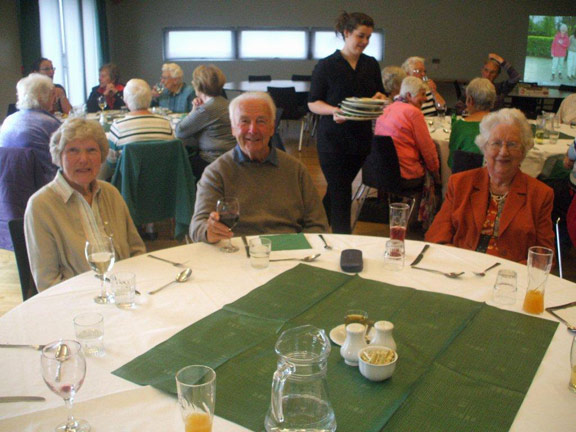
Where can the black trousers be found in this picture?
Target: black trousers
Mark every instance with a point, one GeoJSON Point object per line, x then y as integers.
{"type": "Point", "coordinates": [339, 170]}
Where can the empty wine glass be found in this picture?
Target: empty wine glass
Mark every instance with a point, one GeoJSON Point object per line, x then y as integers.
{"type": "Point", "coordinates": [229, 210]}
{"type": "Point", "coordinates": [102, 103]}
{"type": "Point", "coordinates": [159, 87]}
{"type": "Point", "coordinates": [64, 370]}
{"type": "Point", "coordinates": [100, 255]}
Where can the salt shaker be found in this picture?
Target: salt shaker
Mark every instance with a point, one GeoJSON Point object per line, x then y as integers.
{"type": "Point", "coordinates": [355, 341]}
{"type": "Point", "coordinates": [383, 336]}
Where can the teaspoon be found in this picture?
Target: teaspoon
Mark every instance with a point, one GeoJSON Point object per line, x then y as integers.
{"type": "Point", "coordinates": [309, 258]}
{"type": "Point", "coordinates": [183, 276]}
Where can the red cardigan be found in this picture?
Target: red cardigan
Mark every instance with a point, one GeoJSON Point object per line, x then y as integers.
{"type": "Point", "coordinates": [526, 218]}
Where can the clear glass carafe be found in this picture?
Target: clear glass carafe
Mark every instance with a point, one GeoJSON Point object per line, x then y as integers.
{"type": "Point", "coordinates": [299, 400]}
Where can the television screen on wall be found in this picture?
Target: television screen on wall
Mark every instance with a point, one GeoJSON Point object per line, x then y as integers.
{"type": "Point", "coordinates": [551, 50]}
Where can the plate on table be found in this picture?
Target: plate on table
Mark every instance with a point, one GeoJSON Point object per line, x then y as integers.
{"type": "Point", "coordinates": [338, 334]}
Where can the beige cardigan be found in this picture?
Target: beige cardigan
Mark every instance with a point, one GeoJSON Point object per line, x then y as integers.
{"type": "Point", "coordinates": [55, 238]}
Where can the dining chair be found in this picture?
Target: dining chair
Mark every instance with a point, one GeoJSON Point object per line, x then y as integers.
{"type": "Point", "coordinates": [464, 161]}
{"type": "Point", "coordinates": [253, 78]}
{"type": "Point", "coordinates": [287, 99]}
{"type": "Point", "coordinates": [156, 180]}
{"type": "Point", "coordinates": [381, 171]}
{"type": "Point", "coordinates": [565, 87]}
{"type": "Point", "coordinates": [306, 78]}
{"type": "Point", "coordinates": [27, 285]}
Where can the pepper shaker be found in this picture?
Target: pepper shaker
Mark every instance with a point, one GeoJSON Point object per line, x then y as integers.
{"type": "Point", "coordinates": [383, 334]}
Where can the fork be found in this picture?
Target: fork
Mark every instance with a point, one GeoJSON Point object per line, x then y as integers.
{"type": "Point", "coordinates": [451, 275]}
{"type": "Point", "coordinates": [326, 245]}
{"type": "Point", "coordinates": [175, 264]}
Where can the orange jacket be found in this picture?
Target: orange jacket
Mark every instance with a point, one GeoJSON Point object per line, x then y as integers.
{"type": "Point", "coordinates": [526, 219]}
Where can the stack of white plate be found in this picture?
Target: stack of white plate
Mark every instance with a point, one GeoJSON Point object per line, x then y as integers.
{"type": "Point", "coordinates": [355, 108]}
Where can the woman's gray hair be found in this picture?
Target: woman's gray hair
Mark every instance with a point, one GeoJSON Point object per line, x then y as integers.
{"type": "Point", "coordinates": [77, 128]}
{"type": "Point", "coordinates": [509, 117]}
{"type": "Point", "coordinates": [137, 94]}
{"type": "Point", "coordinates": [261, 96]}
{"type": "Point", "coordinates": [410, 63]}
{"type": "Point", "coordinates": [482, 92]}
{"type": "Point", "coordinates": [392, 77]}
{"type": "Point", "coordinates": [412, 85]}
{"type": "Point", "coordinates": [34, 92]}
{"type": "Point", "coordinates": [173, 70]}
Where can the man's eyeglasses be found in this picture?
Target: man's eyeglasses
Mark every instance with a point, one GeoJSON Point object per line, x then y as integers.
{"type": "Point", "coordinates": [47, 69]}
{"type": "Point", "coordinates": [419, 71]}
{"type": "Point", "coordinates": [510, 145]}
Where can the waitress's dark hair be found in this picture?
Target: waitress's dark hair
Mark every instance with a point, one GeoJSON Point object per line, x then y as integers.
{"type": "Point", "coordinates": [350, 22]}
{"type": "Point", "coordinates": [36, 65]}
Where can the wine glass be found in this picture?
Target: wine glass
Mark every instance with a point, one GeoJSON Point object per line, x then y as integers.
{"type": "Point", "coordinates": [100, 255]}
{"type": "Point", "coordinates": [102, 103]}
{"type": "Point", "coordinates": [64, 370]}
{"type": "Point", "coordinates": [159, 87]}
{"type": "Point", "coordinates": [229, 210]}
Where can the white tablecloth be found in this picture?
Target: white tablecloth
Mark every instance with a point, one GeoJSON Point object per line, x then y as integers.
{"type": "Point", "coordinates": [113, 404]}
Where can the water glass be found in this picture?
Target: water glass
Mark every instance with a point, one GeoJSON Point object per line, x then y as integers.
{"type": "Point", "coordinates": [196, 397]}
{"type": "Point", "coordinates": [260, 249]}
{"type": "Point", "coordinates": [572, 383]}
{"type": "Point", "coordinates": [539, 265]}
{"type": "Point", "coordinates": [394, 255]}
{"type": "Point", "coordinates": [89, 328]}
{"type": "Point", "coordinates": [399, 214]}
{"type": "Point", "coordinates": [355, 316]}
{"type": "Point", "coordinates": [505, 287]}
{"type": "Point", "coordinates": [124, 289]}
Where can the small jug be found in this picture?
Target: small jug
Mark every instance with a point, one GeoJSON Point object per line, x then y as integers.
{"type": "Point", "coordinates": [383, 336]}
{"type": "Point", "coordinates": [299, 399]}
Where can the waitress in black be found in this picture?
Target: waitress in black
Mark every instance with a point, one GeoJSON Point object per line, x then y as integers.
{"type": "Point", "coordinates": [343, 145]}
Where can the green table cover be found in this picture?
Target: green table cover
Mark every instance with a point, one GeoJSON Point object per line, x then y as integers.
{"type": "Point", "coordinates": [463, 365]}
{"type": "Point", "coordinates": [282, 242]}
{"type": "Point", "coordinates": [561, 136]}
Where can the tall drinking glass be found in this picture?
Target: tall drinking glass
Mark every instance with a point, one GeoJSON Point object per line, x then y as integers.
{"type": "Point", "coordinates": [196, 397]}
{"type": "Point", "coordinates": [100, 255]}
{"type": "Point", "coordinates": [572, 383]}
{"type": "Point", "coordinates": [102, 103]}
{"type": "Point", "coordinates": [399, 213]}
{"type": "Point", "coordinates": [539, 265]}
{"type": "Point", "coordinates": [64, 370]}
{"type": "Point", "coordinates": [229, 210]}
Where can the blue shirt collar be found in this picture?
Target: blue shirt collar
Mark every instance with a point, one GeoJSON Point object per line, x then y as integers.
{"type": "Point", "coordinates": [241, 158]}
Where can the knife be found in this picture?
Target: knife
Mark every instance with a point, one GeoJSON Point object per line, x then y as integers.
{"type": "Point", "coordinates": [246, 246]}
{"type": "Point", "coordinates": [420, 256]}
{"type": "Point", "coordinates": [34, 347]}
{"type": "Point", "coordinates": [5, 399]}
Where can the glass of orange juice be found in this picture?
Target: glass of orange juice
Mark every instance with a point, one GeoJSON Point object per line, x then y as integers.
{"type": "Point", "coordinates": [539, 264]}
{"type": "Point", "coordinates": [196, 397]}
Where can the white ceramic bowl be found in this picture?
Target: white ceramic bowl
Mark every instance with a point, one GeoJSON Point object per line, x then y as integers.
{"type": "Point", "coordinates": [376, 372]}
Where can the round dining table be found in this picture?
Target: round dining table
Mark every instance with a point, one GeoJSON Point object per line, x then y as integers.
{"type": "Point", "coordinates": [110, 403]}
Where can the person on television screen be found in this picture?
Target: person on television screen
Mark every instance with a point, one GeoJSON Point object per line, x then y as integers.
{"type": "Point", "coordinates": [558, 50]}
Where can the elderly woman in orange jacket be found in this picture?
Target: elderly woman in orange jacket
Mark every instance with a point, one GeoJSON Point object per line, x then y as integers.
{"type": "Point", "coordinates": [497, 209]}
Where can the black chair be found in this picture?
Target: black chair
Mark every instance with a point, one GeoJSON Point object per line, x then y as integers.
{"type": "Point", "coordinates": [381, 171]}
{"type": "Point", "coordinates": [16, 227]}
{"type": "Point", "coordinates": [254, 78]}
{"type": "Point", "coordinates": [564, 87]}
{"type": "Point", "coordinates": [464, 161]}
{"type": "Point", "coordinates": [11, 109]}
{"type": "Point", "coordinates": [460, 89]}
{"type": "Point", "coordinates": [276, 140]}
{"type": "Point", "coordinates": [306, 78]}
{"type": "Point", "coordinates": [287, 99]}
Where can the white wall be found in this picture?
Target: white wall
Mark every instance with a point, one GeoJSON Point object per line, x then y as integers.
{"type": "Point", "coordinates": [459, 33]}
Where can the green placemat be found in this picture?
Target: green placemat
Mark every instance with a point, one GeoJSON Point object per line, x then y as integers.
{"type": "Point", "coordinates": [463, 365]}
{"type": "Point", "coordinates": [282, 242]}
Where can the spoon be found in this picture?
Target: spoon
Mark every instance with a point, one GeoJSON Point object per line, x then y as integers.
{"type": "Point", "coordinates": [483, 273]}
{"type": "Point", "coordinates": [451, 275]}
{"type": "Point", "coordinates": [183, 276]}
{"type": "Point", "coordinates": [309, 258]}
{"type": "Point", "coordinates": [62, 354]}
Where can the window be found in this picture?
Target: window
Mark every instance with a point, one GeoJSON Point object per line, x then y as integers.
{"type": "Point", "coordinates": [198, 44]}
{"type": "Point", "coordinates": [285, 44]}
{"type": "Point", "coordinates": [70, 38]}
{"type": "Point", "coordinates": [233, 43]}
{"type": "Point", "coordinates": [326, 42]}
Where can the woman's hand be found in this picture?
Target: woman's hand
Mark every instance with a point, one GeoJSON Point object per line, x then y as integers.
{"type": "Point", "coordinates": [215, 230]}
{"type": "Point", "coordinates": [568, 163]}
{"type": "Point", "coordinates": [379, 96]}
{"type": "Point", "coordinates": [110, 90]}
{"type": "Point", "coordinates": [196, 103]}
{"type": "Point", "coordinates": [337, 116]}
{"type": "Point", "coordinates": [496, 58]}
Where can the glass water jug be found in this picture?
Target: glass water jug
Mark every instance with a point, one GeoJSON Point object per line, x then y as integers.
{"type": "Point", "coordinates": [299, 400]}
